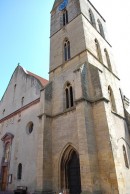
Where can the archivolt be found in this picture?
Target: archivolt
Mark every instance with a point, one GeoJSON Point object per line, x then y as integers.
{"type": "Point", "coordinates": [124, 140]}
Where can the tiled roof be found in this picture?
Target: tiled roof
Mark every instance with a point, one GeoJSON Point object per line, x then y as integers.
{"type": "Point", "coordinates": [42, 80]}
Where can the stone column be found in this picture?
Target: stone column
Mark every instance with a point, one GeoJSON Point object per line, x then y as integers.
{"type": "Point", "coordinates": [41, 117]}
{"type": "Point", "coordinates": [86, 137]}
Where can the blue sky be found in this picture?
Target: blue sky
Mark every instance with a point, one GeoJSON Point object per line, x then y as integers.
{"type": "Point", "coordinates": [24, 37]}
{"type": "Point", "coordinates": [25, 30]}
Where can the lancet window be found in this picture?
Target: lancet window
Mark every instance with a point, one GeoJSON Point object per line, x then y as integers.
{"type": "Point", "coordinates": [65, 17]}
{"type": "Point", "coordinates": [99, 55]}
{"type": "Point", "coordinates": [66, 50]}
{"type": "Point", "coordinates": [69, 95]}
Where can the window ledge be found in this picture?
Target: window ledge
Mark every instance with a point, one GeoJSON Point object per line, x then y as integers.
{"type": "Point", "coordinates": [115, 113]}
{"type": "Point", "coordinates": [69, 109]}
{"type": "Point", "coordinates": [64, 112]}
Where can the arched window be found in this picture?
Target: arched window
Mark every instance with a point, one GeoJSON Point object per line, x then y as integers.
{"type": "Point", "coordinates": [3, 112]}
{"type": "Point", "coordinates": [66, 50]}
{"type": "Point", "coordinates": [101, 28]}
{"type": "Point", "coordinates": [69, 95]}
{"type": "Point", "coordinates": [29, 127]}
{"type": "Point", "coordinates": [19, 172]}
{"type": "Point", "coordinates": [108, 59]}
{"type": "Point", "coordinates": [112, 100]}
{"type": "Point", "coordinates": [99, 55]}
{"type": "Point", "coordinates": [22, 101]}
{"type": "Point", "coordinates": [15, 88]}
{"type": "Point", "coordinates": [14, 91]}
{"type": "Point", "coordinates": [92, 19]}
{"type": "Point", "coordinates": [65, 17]}
{"type": "Point", "coordinates": [125, 157]}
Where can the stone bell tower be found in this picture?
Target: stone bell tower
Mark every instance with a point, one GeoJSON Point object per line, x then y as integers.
{"type": "Point", "coordinates": [84, 108]}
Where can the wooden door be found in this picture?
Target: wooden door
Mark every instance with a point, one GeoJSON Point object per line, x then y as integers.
{"type": "Point", "coordinates": [4, 178]}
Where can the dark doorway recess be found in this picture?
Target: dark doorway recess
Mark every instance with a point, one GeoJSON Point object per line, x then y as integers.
{"type": "Point", "coordinates": [70, 171]}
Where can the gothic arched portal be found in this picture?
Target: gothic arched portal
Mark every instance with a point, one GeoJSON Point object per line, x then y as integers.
{"type": "Point", "coordinates": [70, 171]}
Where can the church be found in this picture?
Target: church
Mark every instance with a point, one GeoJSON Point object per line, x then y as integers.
{"type": "Point", "coordinates": [70, 134]}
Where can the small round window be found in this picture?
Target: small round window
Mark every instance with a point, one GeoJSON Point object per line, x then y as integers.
{"type": "Point", "coordinates": [29, 128]}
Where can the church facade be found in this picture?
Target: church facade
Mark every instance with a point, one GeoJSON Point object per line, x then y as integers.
{"type": "Point", "coordinates": [69, 134]}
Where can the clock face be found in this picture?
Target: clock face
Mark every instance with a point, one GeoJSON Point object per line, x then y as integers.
{"type": "Point", "coordinates": [63, 5]}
